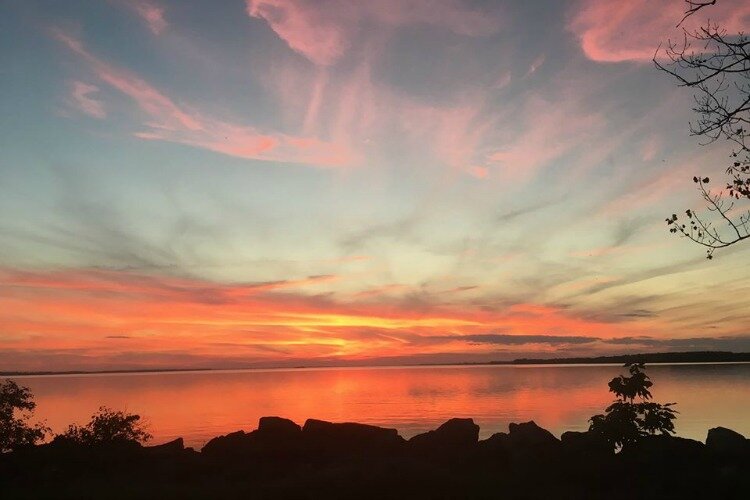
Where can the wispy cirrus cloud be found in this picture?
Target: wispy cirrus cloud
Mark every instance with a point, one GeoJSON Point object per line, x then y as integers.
{"type": "Point", "coordinates": [82, 99]}
{"type": "Point", "coordinates": [542, 138]}
{"type": "Point", "coordinates": [322, 31]}
{"type": "Point", "coordinates": [168, 121]}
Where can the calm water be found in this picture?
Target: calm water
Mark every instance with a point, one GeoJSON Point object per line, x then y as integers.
{"type": "Point", "coordinates": [200, 405]}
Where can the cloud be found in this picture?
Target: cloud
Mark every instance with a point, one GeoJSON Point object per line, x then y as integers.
{"type": "Point", "coordinates": [81, 98]}
{"type": "Point", "coordinates": [323, 30]}
{"type": "Point", "coordinates": [548, 130]}
{"type": "Point", "coordinates": [73, 310]}
{"type": "Point", "coordinates": [150, 12]}
{"type": "Point", "coordinates": [631, 31]}
{"type": "Point", "coordinates": [502, 339]}
{"type": "Point", "coordinates": [739, 343]}
{"type": "Point", "coordinates": [168, 121]}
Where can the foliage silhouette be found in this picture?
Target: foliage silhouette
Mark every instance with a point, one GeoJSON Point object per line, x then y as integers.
{"type": "Point", "coordinates": [716, 65]}
{"type": "Point", "coordinates": [16, 407]}
{"type": "Point", "coordinates": [626, 421]}
{"type": "Point", "coordinates": [108, 426]}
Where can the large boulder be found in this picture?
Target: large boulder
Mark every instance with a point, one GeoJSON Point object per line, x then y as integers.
{"type": "Point", "coordinates": [173, 447]}
{"type": "Point", "coordinates": [585, 444]}
{"type": "Point", "coordinates": [454, 436]}
{"type": "Point", "coordinates": [495, 447]}
{"type": "Point", "coordinates": [530, 435]}
{"type": "Point", "coordinates": [275, 438]}
{"type": "Point", "coordinates": [277, 426]}
{"type": "Point", "coordinates": [723, 441]}
{"type": "Point", "coordinates": [529, 442]}
{"type": "Point", "coordinates": [333, 440]}
{"type": "Point", "coordinates": [665, 451]}
{"type": "Point", "coordinates": [230, 445]}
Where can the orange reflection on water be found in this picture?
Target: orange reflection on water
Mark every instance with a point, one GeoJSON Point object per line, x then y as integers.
{"type": "Point", "coordinates": [200, 405]}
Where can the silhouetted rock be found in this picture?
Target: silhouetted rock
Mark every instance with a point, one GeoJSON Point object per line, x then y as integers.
{"type": "Point", "coordinates": [169, 448]}
{"type": "Point", "coordinates": [232, 444]}
{"type": "Point", "coordinates": [454, 436]}
{"type": "Point", "coordinates": [349, 460]}
{"type": "Point", "coordinates": [495, 447]}
{"type": "Point", "coordinates": [528, 434]}
{"type": "Point", "coordinates": [723, 441]}
{"type": "Point", "coordinates": [662, 449]}
{"type": "Point", "coordinates": [277, 426]}
{"type": "Point", "coordinates": [349, 438]}
{"type": "Point", "coordinates": [585, 443]}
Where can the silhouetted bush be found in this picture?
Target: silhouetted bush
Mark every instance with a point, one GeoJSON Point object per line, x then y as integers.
{"type": "Point", "coordinates": [108, 426]}
{"type": "Point", "coordinates": [625, 421]}
{"type": "Point", "coordinates": [16, 407]}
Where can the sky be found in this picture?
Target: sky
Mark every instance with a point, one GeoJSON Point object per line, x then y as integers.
{"type": "Point", "coordinates": [283, 183]}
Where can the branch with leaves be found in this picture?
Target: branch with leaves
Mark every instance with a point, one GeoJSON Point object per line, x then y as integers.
{"type": "Point", "coordinates": [702, 231]}
{"type": "Point", "coordinates": [716, 65]}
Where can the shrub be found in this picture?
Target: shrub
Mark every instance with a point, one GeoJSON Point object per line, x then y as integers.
{"type": "Point", "coordinates": [108, 426]}
{"type": "Point", "coordinates": [626, 421]}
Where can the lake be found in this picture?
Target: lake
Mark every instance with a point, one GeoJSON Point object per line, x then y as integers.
{"type": "Point", "coordinates": [200, 405]}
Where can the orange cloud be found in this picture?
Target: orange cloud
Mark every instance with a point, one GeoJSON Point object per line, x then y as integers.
{"type": "Point", "coordinates": [98, 313]}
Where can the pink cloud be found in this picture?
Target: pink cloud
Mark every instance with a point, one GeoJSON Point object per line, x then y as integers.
{"type": "Point", "coordinates": [355, 111]}
{"type": "Point", "coordinates": [552, 129]}
{"type": "Point", "coordinates": [150, 12]}
{"type": "Point", "coordinates": [168, 121]}
{"type": "Point", "coordinates": [80, 98]}
{"type": "Point", "coordinates": [323, 30]}
{"type": "Point", "coordinates": [632, 30]}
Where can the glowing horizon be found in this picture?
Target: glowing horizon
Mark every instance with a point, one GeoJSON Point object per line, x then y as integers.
{"type": "Point", "coordinates": [274, 183]}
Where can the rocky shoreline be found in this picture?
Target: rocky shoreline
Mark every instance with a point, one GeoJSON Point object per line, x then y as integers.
{"type": "Point", "coordinates": [281, 459]}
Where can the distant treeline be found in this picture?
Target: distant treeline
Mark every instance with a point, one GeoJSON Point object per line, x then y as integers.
{"type": "Point", "coordinates": [655, 357]}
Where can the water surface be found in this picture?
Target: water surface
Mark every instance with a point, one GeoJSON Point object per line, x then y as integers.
{"type": "Point", "coordinates": [201, 405]}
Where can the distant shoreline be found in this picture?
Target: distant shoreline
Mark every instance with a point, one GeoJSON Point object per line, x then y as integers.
{"type": "Point", "coordinates": [651, 358]}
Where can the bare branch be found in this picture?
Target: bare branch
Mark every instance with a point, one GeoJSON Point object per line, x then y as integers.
{"type": "Point", "coordinates": [694, 7]}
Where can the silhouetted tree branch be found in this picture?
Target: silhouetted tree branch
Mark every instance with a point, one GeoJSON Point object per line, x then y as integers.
{"type": "Point", "coordinates": [16, 408]}
{"type": "Point", "coordinates": [716, 65]}
{"type": "Point", "coordinates": [693, 7]}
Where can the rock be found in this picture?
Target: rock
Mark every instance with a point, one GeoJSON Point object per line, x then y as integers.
{"type": "Point", "coordinates": [275, 439]}
{"type": "Point", "coordinates": [278, 426]}
{"type": "Point", "coordinates": [665, 449]}
{"type": "Point", "coordinates": [232, 444]}
{"type": "Point", "coordinates": [168, 448]}
{"type": "Point", "coordinates": [455, 435]}
{"type": "Point", "coordinates": [723, 441]}
{"type": "Point", "coordinates": [585, 444]}
{"type": "Point", "coordinates": [495, 447]}
{"type": "Point", "coordinates": [528, 434]}
{"type": "Point", "coordinates": [346, 439]}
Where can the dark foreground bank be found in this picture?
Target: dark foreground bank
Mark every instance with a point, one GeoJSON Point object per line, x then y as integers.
{"type": "Point", "coordinates": [347, 460]}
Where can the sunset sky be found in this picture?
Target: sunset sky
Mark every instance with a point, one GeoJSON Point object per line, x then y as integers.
{"type": "Point", "coordinates": [311, 182]}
